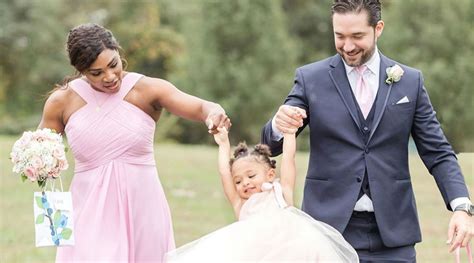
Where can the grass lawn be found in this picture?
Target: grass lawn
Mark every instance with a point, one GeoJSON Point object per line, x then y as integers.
{"type": "Point", "coordinates": [189, 176]}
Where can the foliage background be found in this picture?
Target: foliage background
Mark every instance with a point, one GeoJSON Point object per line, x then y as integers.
{"type": "Point", "coordinates": [241, 54]}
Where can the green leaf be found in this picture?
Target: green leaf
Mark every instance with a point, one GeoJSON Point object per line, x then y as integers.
{"type": "Point", "coordinates": [57, 217]}
{"type": "Point", "coordinates": [23, 177]}
{"type": "Point", "coordinates": [39, 219]}
{"type": "Point", "coordinates": [41, 184]}
{"type": "Point", "coordinates": [38, 202]}
{"type": "Point", "coordinates": [66, 233]}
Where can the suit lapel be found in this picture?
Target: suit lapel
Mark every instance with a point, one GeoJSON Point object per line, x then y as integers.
{"type": "Point", "coordinates": [339, 77]}
{"type": "Point", "coordinates": [383, 94]}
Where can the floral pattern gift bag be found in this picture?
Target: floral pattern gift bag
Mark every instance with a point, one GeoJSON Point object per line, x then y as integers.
{"type": "Point", "coordinates": [53, 218]}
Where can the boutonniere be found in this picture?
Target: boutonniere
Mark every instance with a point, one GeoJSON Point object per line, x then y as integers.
{"type": "Point", "coordinates": [394, 74]}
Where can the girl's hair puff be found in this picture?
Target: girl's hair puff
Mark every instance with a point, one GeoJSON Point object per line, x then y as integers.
{"type": "Point", "coordinates": [261, 153]}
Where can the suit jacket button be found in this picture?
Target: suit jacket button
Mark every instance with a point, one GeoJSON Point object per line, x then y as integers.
{"type": "Point", "coordinates": [366, 150]}
{"type": "Point", "coordinates": [359, 179]}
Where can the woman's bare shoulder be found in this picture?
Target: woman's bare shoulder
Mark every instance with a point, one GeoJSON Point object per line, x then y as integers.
{"type": "Point", "coordinates": [153, 83]}
{"type": "Point", "coordinates": [59, 95]}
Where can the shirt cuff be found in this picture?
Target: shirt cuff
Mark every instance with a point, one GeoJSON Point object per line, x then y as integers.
{"type": "Point", "coordinates": [459, 201]}
{"type": "Point", "coordinates": [276, 134]}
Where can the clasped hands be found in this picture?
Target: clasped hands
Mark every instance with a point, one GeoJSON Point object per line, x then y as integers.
{"type": "Point", "coordinates": [289, 119]}
{"type": "Point", "coordinates": [217, 120]}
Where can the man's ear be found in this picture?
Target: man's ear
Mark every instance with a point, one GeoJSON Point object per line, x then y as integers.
{"type": "Point", "coordinates": [271, 174]}
{"type": "Point", "coordinates": [379, 28]}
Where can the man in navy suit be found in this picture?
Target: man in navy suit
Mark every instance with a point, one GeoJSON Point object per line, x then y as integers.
{"type": "Point", "coordinates": [360, 119]}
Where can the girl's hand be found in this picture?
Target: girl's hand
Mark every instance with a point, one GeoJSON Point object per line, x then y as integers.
{"type": "Point", "coordinates": [222, 136]}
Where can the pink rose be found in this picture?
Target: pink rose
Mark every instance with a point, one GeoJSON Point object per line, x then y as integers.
{"type": "Point", "coordinates": [58, 154]}
{"type": "Point", "coordinates": [62, 164]}
{"type": "Point", "coordinates": [31, 173]}
{"type": "Point", "coordinates": [54, 173]}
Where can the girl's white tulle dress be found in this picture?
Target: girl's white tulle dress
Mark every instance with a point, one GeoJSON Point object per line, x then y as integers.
{"type": "Point", "coordinates": [269, 231]}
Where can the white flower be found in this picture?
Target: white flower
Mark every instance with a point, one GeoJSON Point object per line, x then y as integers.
{"type": "Point", "coordinates": [394, 74]}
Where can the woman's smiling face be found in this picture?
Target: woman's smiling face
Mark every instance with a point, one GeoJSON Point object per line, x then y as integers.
{"type": "Point", "coordinates": [105, 74]}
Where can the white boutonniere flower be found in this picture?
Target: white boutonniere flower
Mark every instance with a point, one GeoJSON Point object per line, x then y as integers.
{"type": "Point", "coordinates": [394, 74]}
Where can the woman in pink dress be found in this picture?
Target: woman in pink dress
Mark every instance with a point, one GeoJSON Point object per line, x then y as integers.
{"type": "Point", "coordinates": [109, 115]}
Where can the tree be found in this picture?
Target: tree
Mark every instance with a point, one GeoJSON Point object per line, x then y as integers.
{"type": "Point", "coordinates": [240, 55]}
{"type": "Point", "coordinates": [437, 38]}
{"type": "Point", "coordinates": [310, 25]}
{"type": "Point", "coordinates": [31, 34]}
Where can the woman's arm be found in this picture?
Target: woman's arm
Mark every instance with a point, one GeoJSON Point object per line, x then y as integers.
{"type": "Point", "coordinates": [166, 95]}
{"type": "Point", "coordinates": [222, 139]}
{"type": "Point", "coordinates": [288, 167]}
{"type": "Point", "coordinates": [53, 112]}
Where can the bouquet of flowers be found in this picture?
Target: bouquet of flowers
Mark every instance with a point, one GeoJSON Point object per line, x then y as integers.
{"type": "Point", "coordinates": [39, 155]}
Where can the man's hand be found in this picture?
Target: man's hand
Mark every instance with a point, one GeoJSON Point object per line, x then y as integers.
{"type": "Point", "coordinates": [460, 230]}
{"type": "Point", "coordinates": [289, 118]}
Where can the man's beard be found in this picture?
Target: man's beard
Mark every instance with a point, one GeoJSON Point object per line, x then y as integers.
{"type": "Point", "coordinates": [363, 59]}
{"type": "Point", "coordinates": [366, 55]}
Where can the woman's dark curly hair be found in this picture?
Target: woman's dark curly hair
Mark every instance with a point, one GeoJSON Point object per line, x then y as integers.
{"type": "Point", "coordinates": [261, 153]}
{"type": "Point", "coordinates": [84, 44]}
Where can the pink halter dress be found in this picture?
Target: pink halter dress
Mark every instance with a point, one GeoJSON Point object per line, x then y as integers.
{"type": "Point", "coordinates": [120, 210]}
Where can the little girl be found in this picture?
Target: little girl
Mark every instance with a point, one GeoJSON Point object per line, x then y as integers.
{"type": "Point", "coordinates": [269, 227]}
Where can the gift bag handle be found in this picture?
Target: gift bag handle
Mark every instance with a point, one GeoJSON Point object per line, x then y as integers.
{"type": "Point", "coordinates": [469, 254]}
{"type": "Point", "coordinates": [52, 184]}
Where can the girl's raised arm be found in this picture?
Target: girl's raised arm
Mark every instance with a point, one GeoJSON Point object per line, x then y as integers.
{"type": "Point", "coordinates": [222, 139]}
{"type": "Point", "coordinates": [288, 167]}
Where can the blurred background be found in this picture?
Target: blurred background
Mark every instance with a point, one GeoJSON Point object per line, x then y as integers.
{"type": "Point", "coordinates": [241, 54]}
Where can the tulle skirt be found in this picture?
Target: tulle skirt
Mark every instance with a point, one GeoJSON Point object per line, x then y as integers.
{"type": "Point", "coordinates": [280, 235]}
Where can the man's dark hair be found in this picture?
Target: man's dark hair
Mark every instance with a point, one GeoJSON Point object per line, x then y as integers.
{"type": "Point", "coordinates": [372, 7]}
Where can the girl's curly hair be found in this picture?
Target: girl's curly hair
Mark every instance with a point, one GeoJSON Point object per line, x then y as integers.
{"type": "Point", "coordinates": [261, 153]}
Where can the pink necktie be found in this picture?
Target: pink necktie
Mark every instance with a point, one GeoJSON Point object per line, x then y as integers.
{"type": "Point", "coordinates": [363, 94]}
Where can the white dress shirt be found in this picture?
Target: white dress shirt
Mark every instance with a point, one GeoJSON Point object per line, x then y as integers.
{"type": "Point", "coordinates": [371, 78]}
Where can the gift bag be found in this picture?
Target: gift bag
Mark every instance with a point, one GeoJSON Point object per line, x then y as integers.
{"type": "Point", "coordinates": [53, 215]}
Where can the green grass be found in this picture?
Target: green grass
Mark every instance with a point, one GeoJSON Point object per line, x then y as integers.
{"type": "Point", "coordinates": [189, 176]}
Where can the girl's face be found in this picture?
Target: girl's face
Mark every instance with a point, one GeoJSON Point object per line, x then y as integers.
{"type": "Point", "coordinates": [249, 175]}
{"type": "Point", "coordinates": [105, 74]}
